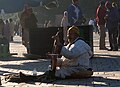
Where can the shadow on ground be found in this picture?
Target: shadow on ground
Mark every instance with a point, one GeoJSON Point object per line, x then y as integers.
{"type": "Point", "coordinates": [99, 63]}
{"type": "Point", "coordinates": [12, 58]}
{"type": "Point", "coordinates": [40, 65]}
{"type": "Point", "coordinates": [105, 62]}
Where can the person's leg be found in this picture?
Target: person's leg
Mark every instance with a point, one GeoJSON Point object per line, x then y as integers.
{"type": "Point", "coordinates": [115, 35]}
{"type": "Point", "coordinates": [110, 34]}
{"type": "Point", "coordinates": [102, 37]}
{"type": "Point", "coordinates": [73, 72]}
{"type": "Point", "coordinates": [23, 36]}
{"type": "Point", "coordinates": [81, 74]}
{"type": "Point", "coordinates": [48, 76]}
{"type": "Point", "coordinates": [119, 35]}
{"type": "Point", "coordinates": [11, 38]}
{"type": "Point", "coordinates": [26, 40]}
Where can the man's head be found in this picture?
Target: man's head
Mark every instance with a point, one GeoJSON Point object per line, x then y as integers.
{"type": "Point", "coordinates": [75, 1]}
{"type": "Point", "coordinates": [26, 6]}
{"type": "Point", "coordinates": [30, 10]}
{"type": "Point", "coordinates": [102, 3]}
{"type": "Point", "coordinates": [72, 33]}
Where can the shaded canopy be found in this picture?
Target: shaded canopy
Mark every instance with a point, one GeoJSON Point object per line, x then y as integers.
{"type": "Point", "coordinates": [11, 6]}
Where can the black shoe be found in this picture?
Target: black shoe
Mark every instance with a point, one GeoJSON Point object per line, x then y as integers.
{"type": "Point", "coordinates": [47, 77]}
{"type": "Point", "coordinates": [110, 49]}
{"type": "Point", "coordinates": [115, 49]}
{"type": "Point", "coordinates": [103, 48]}
{"type": "Point", "coordinates": [23, 77]}
{"type": "Point", "coordinates": [90, 69]}
{"type": "Point", "coordinates": [27, 78]}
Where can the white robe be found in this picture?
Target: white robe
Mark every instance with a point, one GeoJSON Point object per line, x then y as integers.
{"type": "Point", "coordinates": [75, 58]}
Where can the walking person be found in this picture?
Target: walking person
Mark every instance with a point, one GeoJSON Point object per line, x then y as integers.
{"type": "Point", "coordinates": [22, 22]}
{"type": "Point", "coordinates": [12, 25]}
{"type": "Point", "coordinates": [7, 31]}
{"type": "Point", "coordinates": [16, 32]}
{"type": "Point", "coordinates": [64, 24]}
{"type": "Point", "coordinates": [119, 29]}
{"type": "Point", "coordinates": [112, 18]}
{"type": "Point", "coordinates": [4, 37]}
{"type": "Point", "coordinates": [1, 27]}
{"type": "Point", "coordinates": [100, 15]}
{"type": "Point", "coordinates": [28, 21]}
{"type": "Point", "coordinates": [75, 16]}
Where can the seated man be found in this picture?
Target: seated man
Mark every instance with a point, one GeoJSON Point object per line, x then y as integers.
{"type": "Point", "coordinates": [73, 63]}
{"type": "Point", "coordinates": [75, 56]}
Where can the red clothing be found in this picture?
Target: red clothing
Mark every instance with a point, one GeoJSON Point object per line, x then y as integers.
{"type": "Point", "coordinates": [100, 14]}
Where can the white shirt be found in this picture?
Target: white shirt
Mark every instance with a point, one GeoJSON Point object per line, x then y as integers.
{"type": "Point", "coordinates": [77, 53]}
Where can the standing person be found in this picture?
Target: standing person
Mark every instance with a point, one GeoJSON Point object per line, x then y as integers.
{"type": "Point", "coordinates": [16, 28]}
{"type": "Point", "coordinates": [6, 33]}
{"type": "Point", "coordinates": [3, 38]}
{"type": "Point", "coordinates": [64, 24]}
{"type": "Point", "coordinates": [92, 22]}
{"type": "Point", "coordinates": [28, 22]}
{"type": "Point", "coordinates": [100, 15]}
{"type": "Point", "coordinates": [75, 16]}
{"type": "Point", "coordinates": [7, 30]}
{"type": "Point", "coordinates": [1, 27]}
{"type": "Point", "coordinates": [112, 18]}
{"type": "Point", "coordinates": [119, 29]}
{"type": "Point", "coordinates": [22, 22]}
{"type": "Point", "coordinates": [12, 25]}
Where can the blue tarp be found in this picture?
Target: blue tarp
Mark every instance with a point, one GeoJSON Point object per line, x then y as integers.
{"type": "Point", "coordinates": [11, 6]}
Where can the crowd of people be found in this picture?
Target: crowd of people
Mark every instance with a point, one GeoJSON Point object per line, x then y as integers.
{"type": "Point", "coordinates": [8, 29]}
{"type": "Point", "coordinates": [108, 17]}
{"type": "Point", "coordinates": [75, 52]}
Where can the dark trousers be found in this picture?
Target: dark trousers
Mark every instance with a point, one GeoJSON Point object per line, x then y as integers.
{"type": "Point", "coordinates": [102, 36]}
{"type": "Point", "coordinates": [113, 34]}
{"type": "Point", "coordinates": [119, 34]}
